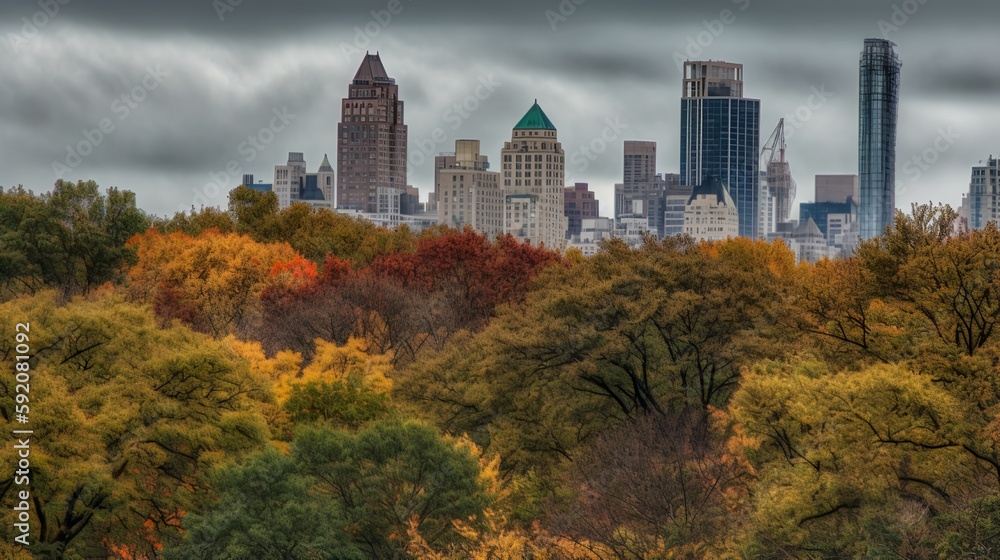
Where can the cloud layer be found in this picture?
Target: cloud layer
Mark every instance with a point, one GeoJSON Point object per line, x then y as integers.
{"type": "Point", "coordinates": [587, 62]}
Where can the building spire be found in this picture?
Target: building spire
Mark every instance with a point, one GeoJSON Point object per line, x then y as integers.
{"type": "Point", "coordinates": [325, 167]}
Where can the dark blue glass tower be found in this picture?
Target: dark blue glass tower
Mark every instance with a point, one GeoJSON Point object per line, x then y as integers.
{"type": "Point", "coordinates": [879, 105]}
{"type": "Point", "coordinates": [720, 136]}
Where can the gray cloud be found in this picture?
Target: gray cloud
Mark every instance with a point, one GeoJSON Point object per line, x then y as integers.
{"type": "Point", "coordinates": [607, 60]}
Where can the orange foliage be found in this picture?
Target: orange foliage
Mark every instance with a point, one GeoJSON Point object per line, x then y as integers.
{"type": "Point", "coordinates": [213, 281]}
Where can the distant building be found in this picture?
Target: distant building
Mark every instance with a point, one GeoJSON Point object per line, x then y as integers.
{"type": "Point", "coordinates": [645, 194]}
{"type": "Point", "coordinates": [842, 233]}
{"type": "Point", "coordinates": [389, 219]}
{"type": "Point", "coordinates": [963, 221]}
{"type": "Point", "coordinates": [371, 145]}
{"type": "Point", "coordinates": [720, 136]}
{"type": "Point", "coordinates": [580, 204]}
{"type": "Point", "coordinates": [820, 211]}
{"type": "Point", "coordinates": [534, 181]}
{"type": "Point", "coordinates": [805, 239]}
{"type": "Point", "coordinates": [837, 221]}
{"type": "Point", "coordinates": [593, 231]}
{"type": "Point", "coordinates": [836, 188]}
{"type": "Point", "coordinates": [639, 171]}
{"type": "Point", "coordinates": [878, 112]}
{"type": "Point", "coordinates": [711, 214]}
{"type": "Point", "coordinates": [466, 192]}
{"type": "Point", "coordinates": [768, 207]}
{"type": "Point", "coordinates": [984, 192]}
{"type": "Point", "coordinates": [248, 181]}
{"type": "Point", "coordinates": [632, 230]}
{"type": "Point", "coordinates": [674, 205]}
{"type": "Point", "coordinates": [293, 184]}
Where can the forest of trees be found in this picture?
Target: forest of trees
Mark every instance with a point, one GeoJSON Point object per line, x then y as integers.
{"type": "Point", "coordinates": [256, 384]}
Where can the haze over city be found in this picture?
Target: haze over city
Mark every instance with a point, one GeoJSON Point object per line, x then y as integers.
{"type": "Point", "coordinates": [213, 74]}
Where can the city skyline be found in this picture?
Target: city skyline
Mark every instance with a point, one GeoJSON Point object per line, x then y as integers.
{"type": "Point", "coordinates": [164, 147]}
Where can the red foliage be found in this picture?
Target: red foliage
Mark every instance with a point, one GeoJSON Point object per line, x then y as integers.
{"type": "Point", "coordinates": [171, 303]}
{"type": "Point", "coordinates": [335, 270]}
{"type": "Point", "coordinates": [299, 270]}
{"type": "Point", "coordinates": [478, 274]}
{"type": "Point", "coordinates": [451, 282]}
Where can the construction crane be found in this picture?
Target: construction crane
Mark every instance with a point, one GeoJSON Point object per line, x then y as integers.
{"type": "Point", "coordinates": [775, 146]}
{"type": "Point", "coordinates": [778, 173]}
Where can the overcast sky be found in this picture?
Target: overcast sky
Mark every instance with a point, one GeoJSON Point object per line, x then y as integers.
{"type": "Point", "coordinates": [181, 87]}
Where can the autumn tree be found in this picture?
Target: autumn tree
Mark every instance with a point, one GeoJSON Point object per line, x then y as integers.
{"type": "Point", "coordinates": [128, 421]}
{"type": "Point", "coordinates": [843, 459]}
{"type": "Point", "coordinates": [625, 334]}
{"type": "Point", "coordinates": [213, 281]}
{"type": "Point", "coordinates": [665, 486]}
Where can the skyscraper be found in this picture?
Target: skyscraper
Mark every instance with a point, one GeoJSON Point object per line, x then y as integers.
{"type": "Point", "coordinates": [534, 181]}
{"type": "Point", "coordinates": [877, 115]}
{"type": "Point", "coordinates": [467, 192]}
{"type": "Point", "coordinates": [639, 173]}
{"type": "Point", "coordinates": [720, 136]}
{"type": "Point", "coordinates": [581, 204]}
{"type": "Point", "coordinates": [371, 146]}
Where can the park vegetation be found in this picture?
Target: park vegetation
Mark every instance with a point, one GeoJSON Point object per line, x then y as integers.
{"type": "Point", "coordinates": [297, 384]}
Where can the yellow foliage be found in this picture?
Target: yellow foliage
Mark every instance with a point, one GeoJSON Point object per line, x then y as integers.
{"type": "Point", "coordinates": [338, 363]}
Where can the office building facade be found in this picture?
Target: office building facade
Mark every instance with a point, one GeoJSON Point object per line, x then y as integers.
{"type": "Point", "coordinates": [534, 181]}
{"type": "Point", "coordinates": [371, 144]}
{"type": "Point", "coordinates": [878, 113]}
{"type": "Point", "coordinates": [720, 136]}
{"type": "Point", "coordinates": [466, 192]}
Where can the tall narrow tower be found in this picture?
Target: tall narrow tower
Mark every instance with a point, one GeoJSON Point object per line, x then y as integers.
{"type": "Point", "coordinates": [877, 115]}
{"type": "Point", "coordinates": [534, 178]}
{"type": "Point", "coordinates": [720, 136]}
{"type": "Point", "coordinates": [371, 146]}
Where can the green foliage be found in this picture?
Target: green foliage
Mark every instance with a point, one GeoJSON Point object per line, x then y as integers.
{"type": "Point", "coordinates": [342, 495]}
{"type": "Point", "coordinates": [71, 239]}
{"type": "Point", "coordinates": [345, 403]}
{"type": "Point", "coordinates": [266, 510]}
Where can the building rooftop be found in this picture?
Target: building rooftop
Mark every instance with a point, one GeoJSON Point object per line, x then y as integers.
{"type": "Point", "coordinates": [325, 167]}
{"type": "Point", "coordinates": [372, 71]}
{"type": "Point", "coordinates": [535, 119]}
{"type": "Point", "coordinates": [712, 186]}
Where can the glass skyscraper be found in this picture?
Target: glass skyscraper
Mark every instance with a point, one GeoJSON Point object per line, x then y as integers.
{"type": "Point", "coordinates": [720, 136]}
{"type": "Point", "coordinates": [879, 104]}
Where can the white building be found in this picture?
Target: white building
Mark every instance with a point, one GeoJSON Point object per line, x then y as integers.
{"type": "Point", "coordinates": [711, 214]}
{"type": "Point", "coordinates": [292, 184]}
